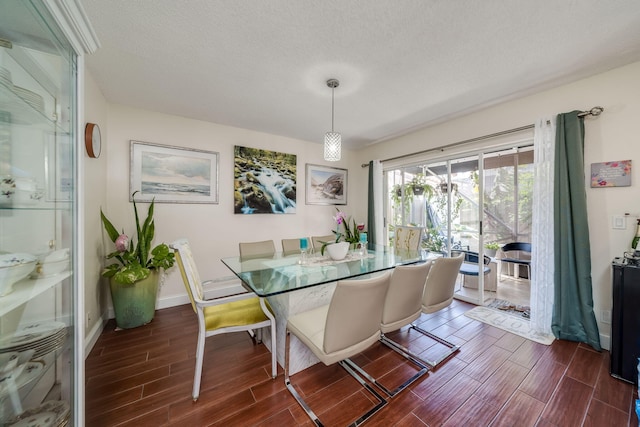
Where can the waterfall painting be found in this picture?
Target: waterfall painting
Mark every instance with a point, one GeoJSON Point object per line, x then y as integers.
{"type": "Point", "coordinates": [169, 174]}
{"type": "Point", "coordinates": [264, 182]}
{"type": "Point", "coordinates": [326, 185]}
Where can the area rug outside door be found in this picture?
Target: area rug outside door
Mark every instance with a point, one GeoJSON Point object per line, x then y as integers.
{"type": "Point", "coordinates": [508, 322]}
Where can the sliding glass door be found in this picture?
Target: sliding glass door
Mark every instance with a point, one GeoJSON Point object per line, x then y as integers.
{"type": "Point", "coordinates": [463, 204]}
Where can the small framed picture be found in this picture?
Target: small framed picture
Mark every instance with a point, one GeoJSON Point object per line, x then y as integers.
{"type": "Point", "coordinates": [169, 174]}
{"type": "Point", "coordinates": [326, 185]}
{"type": "Point", "coordinates": [611, 174]}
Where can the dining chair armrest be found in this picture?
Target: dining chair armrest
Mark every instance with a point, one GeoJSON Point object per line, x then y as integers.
{"type": "Point", "coordinates": [223, 300]}
{"type": "Point", "coordinates": [222, 288]}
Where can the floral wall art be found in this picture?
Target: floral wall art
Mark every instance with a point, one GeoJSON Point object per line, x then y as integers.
{"type": "Point", "coordinates": [264, 182]}
{"type": "Point", "coordinates": [611, 174]}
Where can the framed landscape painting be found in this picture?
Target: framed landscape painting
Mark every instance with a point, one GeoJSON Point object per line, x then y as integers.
{"type": "Point", "coordinates": [170, 174]}
{"type": "Point", "coordinates": [326, 185]}
{"type": "Point", "coordinates": [264, 181]}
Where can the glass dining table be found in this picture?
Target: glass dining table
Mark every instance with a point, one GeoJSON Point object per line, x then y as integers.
{"type": "Point", "coordinates": [277, 274]}
{"type": "Point", "coordinates": [291, 286]}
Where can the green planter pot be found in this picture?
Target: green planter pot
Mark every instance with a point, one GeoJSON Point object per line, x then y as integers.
{"type": "Point", "coordinates": [135, 305]}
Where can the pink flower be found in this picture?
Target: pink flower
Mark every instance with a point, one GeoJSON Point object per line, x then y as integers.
{"type": "Point", "coordinates": [340, 217]}
{"type": "Point", "coordinates": [122, 242]}
{"type": "Point", "coordinates": [360, 227]}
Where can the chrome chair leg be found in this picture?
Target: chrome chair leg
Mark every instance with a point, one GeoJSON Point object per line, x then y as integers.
{"type": "Point", "coordinates": [452, 347]}
{"type": "Point", "coordinates": [287, 381]}
{"type": "Point", "coordinates": [422, 369]}
{"type": "Point", "coordinates": [292, 390]}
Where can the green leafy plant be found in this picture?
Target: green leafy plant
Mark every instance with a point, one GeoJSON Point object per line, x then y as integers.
{"type": "Point", "coordinates": [492, 245]}
{"type": "Point", "coordinates": [350, 230]}
{"type": "Point", "coordinates": [135, 261]}
{"type": "Point", "coordinates": [434, 241]}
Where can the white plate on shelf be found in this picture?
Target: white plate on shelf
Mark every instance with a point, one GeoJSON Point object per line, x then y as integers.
{"type": "Point", "coordinates": [34, 333]}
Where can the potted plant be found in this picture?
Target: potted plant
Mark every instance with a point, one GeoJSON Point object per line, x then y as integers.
{"type": "Point", "coordinates": [491, 248]}
{"type": "Point", "coordinates": [419, 186]}
{"type": "Point", "coordinates": [346, 238]}
{"type": "Point", "coordinates": [134, 278]}
{"type": "Point", "coordinates": [434, 241]}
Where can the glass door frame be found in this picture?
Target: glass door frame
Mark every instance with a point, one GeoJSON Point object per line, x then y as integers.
{"type": "Point", "coordinates": [482, 154]}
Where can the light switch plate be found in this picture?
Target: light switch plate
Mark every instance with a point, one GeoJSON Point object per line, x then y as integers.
{"type": "Point", "coordinates": [619, 222]}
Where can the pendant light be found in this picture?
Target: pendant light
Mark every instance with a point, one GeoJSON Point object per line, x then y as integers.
{"type": "Point", "coordinates": [332, 140]}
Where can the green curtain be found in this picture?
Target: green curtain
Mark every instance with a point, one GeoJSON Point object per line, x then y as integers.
{"type": "Point", "coordinates": [371, 210]}
{"type": "Point", "coordinates": [573, 318]}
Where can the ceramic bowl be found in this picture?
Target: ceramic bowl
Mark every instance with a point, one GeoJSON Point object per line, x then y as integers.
{"type": "Point", "coordinates": [13, 268]}
{"type": "Point", "coordinates": [59, 255]}
{"type": "Point", "coordinates": [338, 251]}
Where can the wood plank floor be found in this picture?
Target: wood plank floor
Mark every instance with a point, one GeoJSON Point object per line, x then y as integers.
{"type": "Point", "coordinates": [143, 377]}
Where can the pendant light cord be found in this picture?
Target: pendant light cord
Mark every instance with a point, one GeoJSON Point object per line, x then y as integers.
{"type": "Point", "coordinates": [333, 90]}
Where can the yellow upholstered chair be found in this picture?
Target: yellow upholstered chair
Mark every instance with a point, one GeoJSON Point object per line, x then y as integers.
{"type": "Point", "coordinates": [249, 250]}
{"type": "Point", "coordinates": [242, 312]}
{"type": "Point", "coordinates": [348, 325]}
{"type": "Point", "coordinates": [407, 238]}
{"type": "Point", "coordinates": [438, 294]}
{"type": "Point", "coordinates": [292, 246]}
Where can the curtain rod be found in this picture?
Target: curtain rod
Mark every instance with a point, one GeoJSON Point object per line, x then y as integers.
{"type": "Point", "coordinates": [595, 111]}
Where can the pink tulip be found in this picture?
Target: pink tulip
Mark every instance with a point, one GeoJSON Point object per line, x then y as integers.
{"type": "Point", "coordinates": [122, 242]}
{"type": "Point", "coordinates": [360, 227]}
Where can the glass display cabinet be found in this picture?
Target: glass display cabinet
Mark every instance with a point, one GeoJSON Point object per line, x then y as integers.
{"type": "Point", "coordinates": [40, 369]}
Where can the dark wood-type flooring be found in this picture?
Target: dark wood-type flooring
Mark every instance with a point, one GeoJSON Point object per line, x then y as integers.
{"type": "Point", "coordinates": [143, 377]}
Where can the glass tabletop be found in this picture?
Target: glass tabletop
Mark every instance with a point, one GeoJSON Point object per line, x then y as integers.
{"type": "Point", "coordinates": [278, 274]}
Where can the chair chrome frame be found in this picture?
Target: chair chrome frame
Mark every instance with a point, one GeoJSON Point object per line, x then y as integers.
{"type": "Point", "coordinates": [443, 270]}
{"type": "Point", "coordinates": [382, 402]}
{"type": "Point", "coordinates": [332, 351]}
{"type": "Point", "coordinates": [402, 307]}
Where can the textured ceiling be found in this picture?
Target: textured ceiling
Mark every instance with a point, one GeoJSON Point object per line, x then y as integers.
{"type": "Point", "coordinates": [402, 64]}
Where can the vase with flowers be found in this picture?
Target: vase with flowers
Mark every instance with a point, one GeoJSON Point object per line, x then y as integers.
{"type": "Point", "coordinates": [134, 278]}
{"type": "Point", "coordinates": [347, 233]}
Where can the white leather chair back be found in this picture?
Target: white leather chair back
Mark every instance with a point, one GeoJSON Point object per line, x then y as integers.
{"type": "Point", "coordinates": [292, 246]}
{"type": "Point", "coordinates": [441, 282]}
{"type": "Point", "coordinates": [265, 248]}
{"type": "Point", "coordinates": [317, 241]}
{"type": "Point", "coordinates": [355, 312]}
{"type": "Point", "coordinates": [404, 297]}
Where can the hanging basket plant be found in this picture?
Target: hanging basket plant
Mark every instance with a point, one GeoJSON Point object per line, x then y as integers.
{"type": "Point", "coordinates": [444, 187]}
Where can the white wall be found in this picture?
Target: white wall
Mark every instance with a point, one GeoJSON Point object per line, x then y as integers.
{"type": "Point", "coordinates": [213, 230]}
{"type": "Point", "coordinates": [95, 196]}
{"type": "Point", "coordinates": [611, 136]}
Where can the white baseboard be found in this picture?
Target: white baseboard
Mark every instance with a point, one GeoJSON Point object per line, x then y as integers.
{"type": "Point", "coordinates": [605, 341]}
{"type": "Point", "coordinates": [92, 337]}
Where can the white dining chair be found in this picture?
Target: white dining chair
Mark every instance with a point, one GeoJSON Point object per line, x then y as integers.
{"type": "Point", "coordinates": [348, 325]}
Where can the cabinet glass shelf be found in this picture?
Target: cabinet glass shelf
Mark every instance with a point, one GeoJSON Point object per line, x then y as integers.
{"type": "Point", "coordinates": [15, 110]}
{"type": "Point", "coordinates": [27, 289]}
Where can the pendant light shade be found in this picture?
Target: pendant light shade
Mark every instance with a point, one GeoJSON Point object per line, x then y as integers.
{"type": "Point", "coordinates": [332, 140]}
